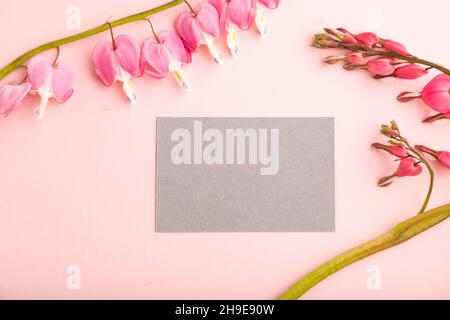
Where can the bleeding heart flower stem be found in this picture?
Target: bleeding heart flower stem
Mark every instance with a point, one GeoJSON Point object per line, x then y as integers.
{"type": "Point", "coordinates": [19, 62]}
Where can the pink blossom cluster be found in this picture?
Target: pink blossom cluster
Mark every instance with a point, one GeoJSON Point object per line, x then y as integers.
{"type": "Point", "coordinates": [384, 58]}
{"type": "Point", "coordinates": [124, 58]}
{"type": "Point", "coordinates": [410, 158]}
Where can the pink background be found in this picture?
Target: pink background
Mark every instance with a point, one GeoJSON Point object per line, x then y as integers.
{"type": "Point", "coordinates": [77, 188]}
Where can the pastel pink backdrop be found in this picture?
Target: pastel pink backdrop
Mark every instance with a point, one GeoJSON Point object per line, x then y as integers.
{"type": "Point", "coordinates": [78, 187]}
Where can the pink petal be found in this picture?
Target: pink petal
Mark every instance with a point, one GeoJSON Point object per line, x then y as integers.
{"type": "Point", "coordinates": [128, 54]}
{"type": "Point", "coordinates": [242, 13]}
{"type": "Point", "coordinates": [174, 44]}
{"type": "Point", "coordinates": [62, 82]}
{"type": "Point", "coordinates": [11, 96]}
{"type": "Point", "coordinates": [436, 93]}
{"type": "Point", "coordinates": [271, 4]}
{"type": "Point", "coordinates": [207, 19]}
{"type": "Point", "coordinates": [155, 59]}
{"type": "Point", "coordinates": [188, 31]}
{"type": "Point", "coordinates": [105, 63]}
{"type": "Point", "coordinates": [39, 71]}
{"type": "Point", "coordinates": [221, 7]}
{"type": "Point", "coordinates": [396, 47]}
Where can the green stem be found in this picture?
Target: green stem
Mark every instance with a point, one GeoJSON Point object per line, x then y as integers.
{"type": "Point", "coordinates": [18, 62]}
{"type": "Point", "coordinates": [430, 170]}
{"type": "Point", "coordinates": [400, 233]}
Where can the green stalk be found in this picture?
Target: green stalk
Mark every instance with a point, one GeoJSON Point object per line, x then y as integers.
{"type": "Point", "coordinates": [18, 62]}
{"type": "Point", "coordinates": [400, 233]}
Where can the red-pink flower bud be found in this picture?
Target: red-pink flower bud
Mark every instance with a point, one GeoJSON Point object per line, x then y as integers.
{"type": "Point", "coordinates": [356, 58]}
{"type": "Point", "coordinates": [439, 116]}
{"type": "Point", "coordinates": [381, 66]}
{"type": "Point", "coordinates": [442, 156]}
{"type": "Point", "coordinates": [408, 167]}
{"type": "Point", "coordinates": [398, 151]}
{"type": "Point", "coordinates": [395, 47]}
{"type": "Point", "coordinates": [410, 71]}
{"type": "Point", "coordinates": [367, 38]}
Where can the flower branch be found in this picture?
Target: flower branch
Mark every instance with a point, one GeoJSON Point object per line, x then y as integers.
{"type": "Point", "coordinates": [387, 58]}
{"type": "Point", "coordinates": [19, 62]}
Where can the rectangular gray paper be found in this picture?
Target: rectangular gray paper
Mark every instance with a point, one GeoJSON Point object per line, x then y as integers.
{"type": "Point", "coordinates": [245, 175]}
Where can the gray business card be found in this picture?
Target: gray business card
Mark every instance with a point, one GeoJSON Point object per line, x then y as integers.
{"type": "Point", "coordinates": [245, 175]}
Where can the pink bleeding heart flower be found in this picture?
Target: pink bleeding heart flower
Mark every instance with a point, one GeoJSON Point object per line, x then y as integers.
{"type": "Point", "coordinates": [200, 27]}
{"type": "Point", "coordinates": [442, 156]}
{"type": "Point", "coordinates": [408, 167]}
{"type": "Point", "coordinates": [234, 15]}
{"type": "Point", "coordinates": [118, 60]}
{"type": "Point", "coordinates": [260, 18]}
{"type": "Point", "coordinates": [436, 95]}
{"type": "Point", "coordinates": [410, 71]}
{"type": "Point", "coordinates": [166, 54]}
{"type": "Point", "coordinates": [11, 96]}
{"type": "Point", "coordinates": [49, 82]}
{"type": "Point", "coordinates": [369, 39]}
{"type": "Point", "coordinates": [356, 58]}
{"type": "Point", "coordinates": [398, 151]}
{"type": "Point", "coordinates": [395, 47]}
{"type": "Point", "coordinates": [381, 66]}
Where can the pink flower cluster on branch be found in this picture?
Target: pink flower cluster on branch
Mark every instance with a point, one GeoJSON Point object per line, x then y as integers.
{"type": "Point", "coordinates": [384, 58]}
{"type": "Point", "coordinates": [123, 57]}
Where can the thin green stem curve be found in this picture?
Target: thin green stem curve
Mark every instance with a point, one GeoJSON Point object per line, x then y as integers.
{"type": "Point", "coordinates": [18, 62]}
{"type": "Point", "coordinates": [400, 233]}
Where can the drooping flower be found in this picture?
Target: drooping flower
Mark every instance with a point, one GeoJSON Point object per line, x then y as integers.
{"type": "Point", "coordinates": [234, 15]}
{"type": "Point", "coordinates": [367, 38]}
{"type": "Point", "coordinates": [118, 60]}
{"type": "Point", "coordinates": [410, 71]}
{"type": "Point", "coordinates": [260, 18]}
{"type": "Point", "coordinates": [442, 156]}
{"type": "Point", "coordinates": [408, 167]}
{"type": "Point", "coordinates": [11, 95]}
{"type": "Point", "coordinates": [381, 66]}
{"type": "Point", "coordinates": [436, 94]}
{"type": "Point", "coordinates": [49, 82]}
{"type": "Point", "coordinates": [398, 151]}
{"type": "Point", "coordinates": [200, 27]}
{"type": "Point", "coordinates": [395, 47]}
{"type": "Point", "coordinates": [166, 54]}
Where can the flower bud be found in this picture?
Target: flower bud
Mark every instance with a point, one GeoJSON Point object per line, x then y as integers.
{"type": "Point", "coordinates": [356, 58]}
{"type": "Point", "coordinates": [410, 71]}
{"type": "Point", "coordinates": [398, 151]}
{"type": "Point", "coordinates": [381, 66]}
{"type": "Point", "coordinates": [395, 47]}
{"type": "Point", "coordinates": [367, 38]}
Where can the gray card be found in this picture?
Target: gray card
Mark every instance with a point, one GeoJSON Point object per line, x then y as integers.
{"type": "Point", "coordinates": [245, 174]}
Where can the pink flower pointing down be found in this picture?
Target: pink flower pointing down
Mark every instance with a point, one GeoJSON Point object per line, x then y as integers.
{"type": "Point", "coordinates": [234, 15]}
{"type": "Point", "coordinates": [49, 82]}
{"type": "Point", "coordinates": [442, 156]}
{"type": "Point", "coordinates": [165, 55]}
{"type": "Point", "coordinates": [436, 94]}
{"type": "Point", "coordinates": [395, 47]}
{"type": "Point", "coordinates": [11, 96]}
{"type": "Point", "coordinates": [118, 61]}
{"type": "Point", "coordinates": [200, 27]}
{"type": "Point", "coordinates": [260, 18]}
{"type": "Point", "coordinates": [408, 168]}
{"type": "Point", "coordinates": [381, 66]}
{"type": "Point", "coordinates": [410, 71]}
{"type": "Point", "coordinates": [367, 38]}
